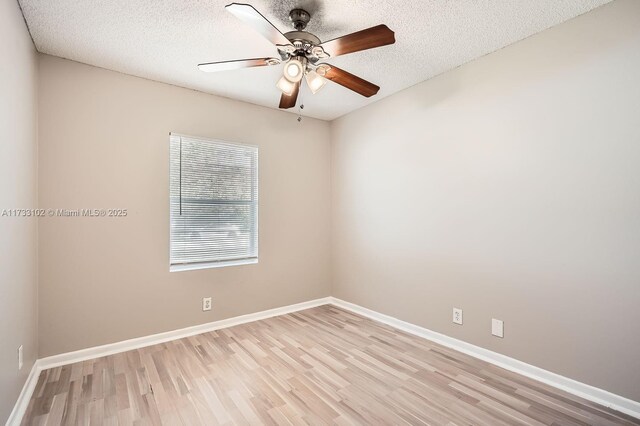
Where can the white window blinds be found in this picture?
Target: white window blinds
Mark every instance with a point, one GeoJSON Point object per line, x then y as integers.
{"type": "Point", "coordinates": [214, 202]}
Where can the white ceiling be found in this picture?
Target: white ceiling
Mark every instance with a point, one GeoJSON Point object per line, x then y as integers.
{"type": "Point", "coordinates": [164, 40]}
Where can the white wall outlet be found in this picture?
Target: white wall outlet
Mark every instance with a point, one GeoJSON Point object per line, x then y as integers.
{"type": "Point", "coordinates": [206, 303]}
{"type": "Point", "coordinates": [457, 316]}
{"type": "Point", "coordinates": [497, 327]}
{"type": "Point", "coordinates": [20, 358]}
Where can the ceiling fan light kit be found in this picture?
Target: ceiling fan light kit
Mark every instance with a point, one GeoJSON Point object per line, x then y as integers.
{"type": "Point", "coordinates": [301, 52]}
{"type": "Point", "coordinates": [285, 86]}
{"type": "Point", "coordinates": [295, 68]}
{"type": "Point", "coordinates": [315, 81]}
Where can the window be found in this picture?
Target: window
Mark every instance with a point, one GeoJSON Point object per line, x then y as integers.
{"type": "Point", "coordinates": [214, 203]}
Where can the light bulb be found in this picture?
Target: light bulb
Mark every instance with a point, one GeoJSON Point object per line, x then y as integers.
{"type": "Point", "coordinates": [293, 71]}
{"type": "Point", "coordinates": [315, 81]}
{"type": "Point", "coordinates": [285, 86]}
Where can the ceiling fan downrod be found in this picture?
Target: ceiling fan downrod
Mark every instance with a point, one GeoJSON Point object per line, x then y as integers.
{"type": "Point", "coordinates": [299, 18]}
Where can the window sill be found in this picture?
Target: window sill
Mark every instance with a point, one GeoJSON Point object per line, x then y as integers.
{"type": "Point", "coordinates": [209, 265]}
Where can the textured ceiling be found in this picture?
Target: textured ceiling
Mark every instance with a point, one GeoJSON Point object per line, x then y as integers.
{"type": "Point", "coordinates": [164, 40]}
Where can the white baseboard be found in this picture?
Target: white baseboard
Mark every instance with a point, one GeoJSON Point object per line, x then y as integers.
{"type": "Point", "coordinates": [25, 396]}
{"type": "Point", "coordinates": [583, 390]}
{"type": "Point", "coordinates": [141, 342]}
{"type": "Point", "coordinates": [591, 393]}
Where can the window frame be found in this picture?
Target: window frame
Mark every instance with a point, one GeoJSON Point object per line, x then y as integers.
{"type": "Point", "coordinates": [197, 265]}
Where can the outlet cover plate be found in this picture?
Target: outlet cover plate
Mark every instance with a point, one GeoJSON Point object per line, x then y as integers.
{"type": "Point", "coordinates": [206, 303]}
{"type": "Point", "coordinates": [497, 327]}
{"type": "Point", "coordinates": [457, 316]}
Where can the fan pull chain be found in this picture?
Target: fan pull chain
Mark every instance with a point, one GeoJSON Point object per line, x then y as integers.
{"type": "Point", "coordinates": [301, 107]}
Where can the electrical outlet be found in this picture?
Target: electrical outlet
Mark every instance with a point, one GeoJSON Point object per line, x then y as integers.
{"type": "Point", "coordinates": [497, 327]}
{"type": "Point", "coordinates": [20, 357]}
{"type": "Point", "coordinates": [206, 303]}
{"type": "Point", "coordinates": [457, 316]}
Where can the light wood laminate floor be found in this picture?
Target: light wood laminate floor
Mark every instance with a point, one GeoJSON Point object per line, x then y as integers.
{"type": "Point", "coordinates": [319, 366]}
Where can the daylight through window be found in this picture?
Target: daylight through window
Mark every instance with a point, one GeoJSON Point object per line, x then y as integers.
{"type": "Point", "coordinates": [214, 203]}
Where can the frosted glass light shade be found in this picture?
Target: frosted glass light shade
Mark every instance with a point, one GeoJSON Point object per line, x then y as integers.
{"type": "Point", "coordinates": [285, 86]}
{"type": "Point", "coordinates": [315, 81]}
{"type": "Point", "coordinates": [293, 71]}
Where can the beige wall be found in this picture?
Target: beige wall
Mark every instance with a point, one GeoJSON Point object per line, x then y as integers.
{"type": "Point", "coordinates": [18, 176]}
{"type": "Point", "coordinates": [104, 143]}
{"type": "Point", "coordinates": [508, 187]}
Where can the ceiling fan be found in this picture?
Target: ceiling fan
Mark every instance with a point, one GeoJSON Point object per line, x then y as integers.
{"type": "Point", "coordinates": [302, 53]}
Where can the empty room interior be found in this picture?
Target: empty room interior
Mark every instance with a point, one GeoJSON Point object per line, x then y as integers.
{"type": "Point", "coordinates": [314, 212]}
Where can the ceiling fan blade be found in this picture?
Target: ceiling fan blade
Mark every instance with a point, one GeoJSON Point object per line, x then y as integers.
{"type": "Point", "coordinates": [237, 64]}
{"type": "Point", "coordinates": [348, 80]}
{"type": "Point", "coordinates": [254, 19]}
{"type": "Point", "coordinates": [289, 101]}
{"type": "Point", "coordinates": [372, 37]}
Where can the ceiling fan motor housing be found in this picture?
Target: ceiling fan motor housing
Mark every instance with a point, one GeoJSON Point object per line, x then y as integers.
{"type": "Point", "coordinates": [304, 44]}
